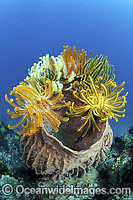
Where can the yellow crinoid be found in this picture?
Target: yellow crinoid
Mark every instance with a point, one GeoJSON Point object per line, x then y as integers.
{"type": "Point", "coordinates": [35, 104]}
{"type": "Point", "coordinates": [102, 101]}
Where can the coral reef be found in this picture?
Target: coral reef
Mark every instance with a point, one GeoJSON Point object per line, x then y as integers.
{"type": "Point", "coordinates": [117, 169]}
{"type": "Point", "coordinates": [131, 129]}
{"type": "Point", "coordinates": [82, 94]}
{"type": "Point", "coordinates": [106, 175]}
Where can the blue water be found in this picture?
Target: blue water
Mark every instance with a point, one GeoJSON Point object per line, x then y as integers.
{"type": "Point", "coordinates": [31, 28]}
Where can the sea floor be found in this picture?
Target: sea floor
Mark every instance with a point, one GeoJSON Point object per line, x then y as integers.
{"type": "Point", "coordinates": [115, 172]}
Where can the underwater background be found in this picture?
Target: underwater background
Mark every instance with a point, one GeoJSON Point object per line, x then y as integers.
{"type": "Point", "coordinates": [30, 29]}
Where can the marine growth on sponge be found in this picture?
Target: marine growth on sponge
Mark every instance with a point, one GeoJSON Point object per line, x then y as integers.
{"type": "Point", "coordinates": [42, 93]}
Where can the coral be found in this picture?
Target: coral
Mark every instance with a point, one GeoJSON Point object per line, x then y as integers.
{"type": "Point", "coordinates": [3, 128]}
{"type": "Point", "coordinates": [3, 169]}
{"type": "Point", "coordinates": [98, 101]}
{"type": "Point", "coordinates": [34, 104]}
{"type": "Point", "coordinates": [116, 171]}
{"type": "Point", "coordinates": [6, 179]}
{"type": "Point", "coordinates": [101, 177]}
{"type": "Point", "coordinates": [131, 129]}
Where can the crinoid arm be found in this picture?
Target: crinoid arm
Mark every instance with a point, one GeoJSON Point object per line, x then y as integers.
{"type": "Point", "coordinates": [34, 104]}
{"type": "Point", "coordinates": [73, 62]}
{"type": "Point", "coordinates": [98, 101]}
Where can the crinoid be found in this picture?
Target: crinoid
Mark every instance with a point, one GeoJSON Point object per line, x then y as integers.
{"type": "Point", "coordinates": [73, 62]}
{"type": "Point", "coordinates": [98, 101]}
{"type": "Point", "coordinates": [48, 67]}
{"type": "Point", "coordinates": [98, 67]}
{"type": "Point", "coordinates": [60, 70]}
{"type": "Point", "coordinates": [34, 105]}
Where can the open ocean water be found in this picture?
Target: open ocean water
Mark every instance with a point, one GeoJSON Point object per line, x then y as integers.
{"type": "Point", "coordinates": [30, 29]}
